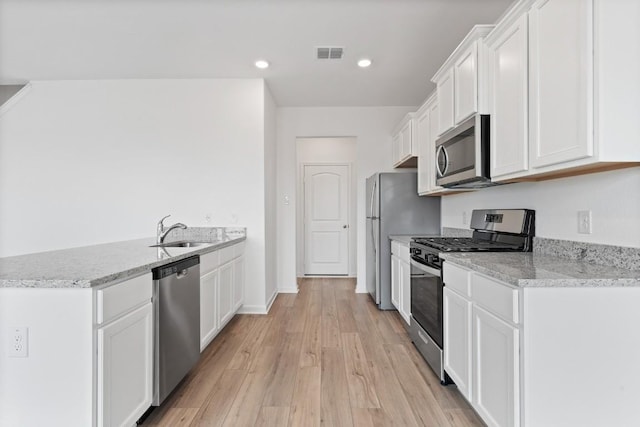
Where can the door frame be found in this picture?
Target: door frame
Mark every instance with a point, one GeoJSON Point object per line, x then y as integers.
{"type": "Point", "coordinates": [302, 211]}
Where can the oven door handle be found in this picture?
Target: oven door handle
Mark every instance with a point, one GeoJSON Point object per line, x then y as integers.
{"type": "Point", "coordinates": [430, 270]}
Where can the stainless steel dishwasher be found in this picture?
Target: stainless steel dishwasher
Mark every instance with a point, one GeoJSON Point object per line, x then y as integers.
{"type": "Point", "coordinates": [176, 305]}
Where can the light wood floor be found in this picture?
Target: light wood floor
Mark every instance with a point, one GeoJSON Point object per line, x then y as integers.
{"type": "Point", "coordinates": [324, 356]}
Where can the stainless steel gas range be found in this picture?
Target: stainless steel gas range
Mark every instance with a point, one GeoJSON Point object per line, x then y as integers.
{"type": "Point", "coordinates": [495, 230]}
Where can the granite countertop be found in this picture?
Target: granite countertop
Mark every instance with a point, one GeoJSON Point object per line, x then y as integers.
{"type": "Point", "coordinates": [95, 265]}
{"type": "Point", "coordinates": [405, 238]}
{"type": "Point", "coordinates": [446, 232]}
{"type": "Point", "coordinates": [540, 270]}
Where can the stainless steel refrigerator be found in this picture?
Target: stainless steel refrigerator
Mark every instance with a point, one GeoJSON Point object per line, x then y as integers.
{"type": "Point", "coordinates": [394, 207]}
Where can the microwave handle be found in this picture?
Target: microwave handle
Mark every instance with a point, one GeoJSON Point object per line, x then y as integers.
{"type": "Point", "coordinates": [442, 151]}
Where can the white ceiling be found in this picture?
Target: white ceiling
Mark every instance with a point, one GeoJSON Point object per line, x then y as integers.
{"type": "Point", "coordinates": [119, 39]}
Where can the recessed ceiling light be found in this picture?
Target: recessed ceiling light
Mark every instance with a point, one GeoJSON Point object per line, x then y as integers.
{"type": "Point", "coordinates": [262, 64]}
{"type": "Point", "coordinates": [364, 63]}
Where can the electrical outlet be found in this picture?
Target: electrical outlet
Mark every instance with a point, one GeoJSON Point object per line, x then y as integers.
{"type": "Point", "coordinates": [584, 222]}
{"type": "Point", "coordinates": [18, 341]}
{"type": "Point", "coordinates": [208, 217]}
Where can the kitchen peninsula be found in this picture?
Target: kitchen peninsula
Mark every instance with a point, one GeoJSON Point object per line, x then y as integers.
{"type": "Point", "coordinates": [83, 323]}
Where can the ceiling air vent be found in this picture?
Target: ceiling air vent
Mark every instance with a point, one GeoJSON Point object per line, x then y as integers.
{"type": "Point", "coordinates": [330, 52]}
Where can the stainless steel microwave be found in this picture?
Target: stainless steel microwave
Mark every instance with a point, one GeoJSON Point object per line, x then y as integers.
{"type": "Point", "coordinates": [462, 155]}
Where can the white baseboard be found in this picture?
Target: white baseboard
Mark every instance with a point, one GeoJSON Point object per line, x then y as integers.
{"type": "Point", "coordinates": [272, 299]}
{"type": "Point", "coordinates": [361, 290]}
{"type": "Point", "coordinates": [259, 309]}
{"type": "Point", "coordinates": [253, 309]}
{"type": "Point", "coordinates": [288, 290]}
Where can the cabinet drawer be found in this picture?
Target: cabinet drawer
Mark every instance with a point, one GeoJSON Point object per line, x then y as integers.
{"type": "Point", "coordinates": [226, 254]}
{"type": "Point", "coordinates": [209, 262]}
{"type": "Point", "coordinates": [238, 249]}
{"type": "Point", "coordinates": [500, 299]}
{"type": "Point", "coordinates": [118, 299]}
{"type": "Point", "coordinates": [457, 278]}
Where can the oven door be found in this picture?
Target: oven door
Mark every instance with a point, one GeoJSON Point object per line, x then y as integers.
{"type": "Point", "coordinates": [426, 299]}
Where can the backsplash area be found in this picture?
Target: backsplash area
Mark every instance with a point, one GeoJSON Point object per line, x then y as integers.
{"type": "Point", "coordinates": [593, 253]}
{"type": "Point", "coordinates": [456, 232]}
{"type": "Point", "coordinates": [612, 197]}
{"type": "Point", "coordinates": [205, 234]}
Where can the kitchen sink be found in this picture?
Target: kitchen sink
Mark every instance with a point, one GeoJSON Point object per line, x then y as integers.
{"type": "Point", "coordinates": [179, 244]}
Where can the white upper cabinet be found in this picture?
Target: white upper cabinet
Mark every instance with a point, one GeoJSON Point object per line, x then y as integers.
{"type": "Point", "coordinates": [465, 81]}
{"type": "Point", "coordinates": [561, 81]}
{"type": "Point", "coordinates": [445, 89]}
{"type": "Point", "coordinates": [426, 130]}
{"type": "Point", "coordinates": [404, 147]}
{"type": "Point", "coordinates": [564, 92]}
{"type": "Point", "coordinates": [507, 53]}
{"type": "Point", "coordinates": [461, 81]}
{"type": "Point", "coordinates": [423, 123]}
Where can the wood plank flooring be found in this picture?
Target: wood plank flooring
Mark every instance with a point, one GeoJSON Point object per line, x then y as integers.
{"type": "Point", "coordinates": [323, 356]}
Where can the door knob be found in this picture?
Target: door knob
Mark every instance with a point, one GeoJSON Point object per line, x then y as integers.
{"type": "Point", "coordinates": [345, 226]}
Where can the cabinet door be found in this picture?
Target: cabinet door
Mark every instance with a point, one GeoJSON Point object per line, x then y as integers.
{"type": "Point", "coordinates": [396, 142]}
{"type": "Point", "coordinates": [421, 139]}
{"type": "Point", "coordinates": [466, 84]}
{"type": "Point", "coordinates": [406, 138]}
{"type": "Point", "coordinates": [433, 135]}
{"type": "Point", "coordinates": [125, 368]}
{"type": "Point", "coordinates": [395, 281]}
{"type": "Point", "coordinates": [208, 308]}
{"type": "Point", "coordinates": [405, 290]}
{"type": "Point", "coordinates": [445, 102]}
{"type": "Point", "coordinates": [238, 283]}
{"type": "Point", "coordinates": [561, 81]}
{"type": "Point", "coordinates": [496, 370]}
{"type": "Point", "coordinates": [457, 340]}
{"type": "Point", "coordinates": [225, 294]}
{"type": "Point", "coordinates": [508, 98]}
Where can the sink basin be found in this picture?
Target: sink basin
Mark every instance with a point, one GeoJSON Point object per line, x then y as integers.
{"type": "Point", "coordinates": [180, 244]}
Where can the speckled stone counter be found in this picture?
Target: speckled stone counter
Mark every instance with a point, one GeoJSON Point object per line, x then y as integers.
{"type": "Point", "coordinates": [404, 239]}
{"type": "Point", "coordinates": [95, 265]}
{"type": "Point", "coordinates": [446, 232]}
{"type": "Point", "coordinates": [537, 270]}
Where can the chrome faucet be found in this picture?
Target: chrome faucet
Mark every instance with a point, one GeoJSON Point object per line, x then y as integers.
{"type": "Point", "coordinates": [162, 232]}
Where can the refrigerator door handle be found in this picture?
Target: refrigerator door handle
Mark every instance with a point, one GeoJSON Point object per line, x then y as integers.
{"type": "Point", "coordinates": [373, 238]}
{"type": "Point", "coordinates": [373, 192]}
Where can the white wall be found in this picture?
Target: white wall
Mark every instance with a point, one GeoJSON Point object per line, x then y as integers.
{"type": "Point", "coordinates": [326, 150]}
{"type": "Point", "coordinates": [613, 197]}
{"type": "Point", "coordinates": [270, 190]}
{"type": "Point", "coordinates": [86, 162]}
{"type": "Point", "coordinates": [371, 126]}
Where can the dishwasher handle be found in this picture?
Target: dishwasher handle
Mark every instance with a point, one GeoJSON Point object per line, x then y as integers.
{"type": "Point", "coordinates": [178, 267]}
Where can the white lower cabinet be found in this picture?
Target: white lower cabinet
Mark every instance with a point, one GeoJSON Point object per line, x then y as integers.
{"type": "Point", "coordinates": [482, 344]}
{"type": "Point", "coordinates": [208, 308]}
{"type": "Point", "coordinates": [401, 279]}
{"type": "Point", "coordinates": [221, 290]}
{"type": "Point", "coordinates": [238, 282]}
{"type": "Point", "coordinates": [125, 368]}
{"type": "Point", "coordinates": [457, 340]}
{"type": "Point", "coordinates": [395, 280]}
{"type": "Point", "coordinates": [405, 291]}
{"type": "Point", "coordinates": [496, 369]}
{"type": "Point", "coordinates": [225, 294]}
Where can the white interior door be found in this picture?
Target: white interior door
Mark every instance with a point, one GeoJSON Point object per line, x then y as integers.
{"type": "Point", "coordinates": [326, 219]}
